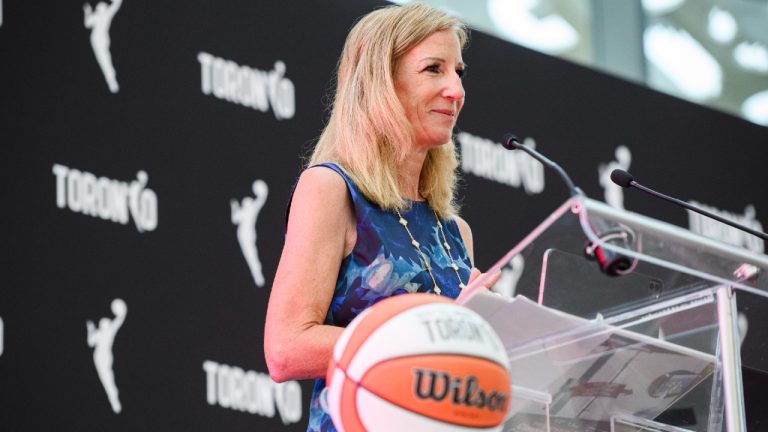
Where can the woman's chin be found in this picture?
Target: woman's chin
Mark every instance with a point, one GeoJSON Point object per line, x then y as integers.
{"type": "Point", "coordinates": [436, 141]}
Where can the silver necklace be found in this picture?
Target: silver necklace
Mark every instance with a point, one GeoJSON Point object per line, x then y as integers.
{"type": "Point", "coordinates": [446, 249]}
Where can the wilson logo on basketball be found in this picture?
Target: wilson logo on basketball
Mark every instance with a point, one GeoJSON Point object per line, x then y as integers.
{"type": "Point", "coordinates": [462, 391]}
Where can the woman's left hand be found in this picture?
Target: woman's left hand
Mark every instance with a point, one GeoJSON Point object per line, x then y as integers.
{"type": "Point", "coordinates": [474, 274]}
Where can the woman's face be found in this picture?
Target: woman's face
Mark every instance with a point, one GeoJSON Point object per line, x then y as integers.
{"type": "Point", "coordinates": [428, 84]}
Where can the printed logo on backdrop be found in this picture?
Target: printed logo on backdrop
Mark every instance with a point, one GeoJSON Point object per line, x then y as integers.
{"type": "Point", "coordinates": [244, 215]}
{"type": "Point", "coordinates": [713, 229]}
{"type": "Point", "coordinates": [489, 160]}
{"type": "Point", "coordinates": [742, 327]}
{"type": "Point", "coordinates": [510, 276]}
{"type": "Point", "coordinates": [101, 339]}
{"type": "Point", "coordinates": [613, 193]}
{"type": "Point", "coordinates": [98, 21]}
{"type": "Point", "coordinates": [233, 388]}
{"type": "Point", "coordinates": [247, 86]}
{"type": "Point", "coordinates": [108, 199]}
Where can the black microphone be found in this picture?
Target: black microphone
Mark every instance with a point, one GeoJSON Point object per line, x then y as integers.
{"type": "Point", "coordinates": [510, 142]}
{"type": "Point", "coordinates": [622, 178]}
{"type": "Point", "coordinates": [625, 180]}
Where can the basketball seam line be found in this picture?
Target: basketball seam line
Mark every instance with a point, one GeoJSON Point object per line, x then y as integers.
{"type": "Point", "coordinates": [435, 353]}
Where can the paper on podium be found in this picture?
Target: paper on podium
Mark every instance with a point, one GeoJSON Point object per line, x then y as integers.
{"type": "Point", "coordinates": [589, 370]}
{"type": "Point", "coordinates": [507, 316]}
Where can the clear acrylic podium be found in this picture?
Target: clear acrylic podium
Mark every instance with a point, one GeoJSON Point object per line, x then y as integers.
{"type": "Point", "coordinates": [639, 330]}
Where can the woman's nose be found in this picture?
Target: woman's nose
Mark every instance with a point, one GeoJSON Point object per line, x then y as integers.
{"type": "Point", "coordinates": [454, 89]}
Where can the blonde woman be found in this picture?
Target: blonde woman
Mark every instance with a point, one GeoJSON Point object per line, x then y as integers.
{"type": "Point", "coordinates": [374, 214]}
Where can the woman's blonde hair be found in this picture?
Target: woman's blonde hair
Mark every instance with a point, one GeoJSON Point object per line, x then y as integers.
{"type": "Point", "coordinates": [368, 133]}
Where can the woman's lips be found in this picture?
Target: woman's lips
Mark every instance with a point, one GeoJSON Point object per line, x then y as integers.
{"type": "Point", "coordinates": [446, 112]}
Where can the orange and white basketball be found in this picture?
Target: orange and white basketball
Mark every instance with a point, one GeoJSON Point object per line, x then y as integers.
{"type": "Point", "coordinates": [418, 362]}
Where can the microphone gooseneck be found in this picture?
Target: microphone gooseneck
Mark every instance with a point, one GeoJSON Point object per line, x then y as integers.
{"type": "Point", "coordinates": [510, 142]}
{"type": "Point", "coordinates": [609, 262]}
{"type": "Point", "coordinates": [626, 180]}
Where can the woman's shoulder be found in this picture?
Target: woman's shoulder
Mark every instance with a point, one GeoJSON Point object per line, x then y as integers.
{"type": "Point", "coordinates": [463, 226]}
{"type": "Point", "coordinates": [321, 182]}
{"type": "Point", "coordinates": [320, 198]}
{"type": "Point", "coordinates": [466, 235]}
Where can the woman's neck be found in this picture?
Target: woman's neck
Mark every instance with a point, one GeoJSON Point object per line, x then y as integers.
{"type": "Point", "coordinates": [409, 173]}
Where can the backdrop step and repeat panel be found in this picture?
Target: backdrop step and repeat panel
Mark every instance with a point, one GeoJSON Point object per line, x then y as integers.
{"type": "Point", "coordinates": [149, 152]}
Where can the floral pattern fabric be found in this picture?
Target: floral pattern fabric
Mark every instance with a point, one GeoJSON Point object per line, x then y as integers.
{"type": "Point", "coordinates": [384, 263]}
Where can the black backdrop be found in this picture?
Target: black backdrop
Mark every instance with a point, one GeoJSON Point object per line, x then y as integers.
{"type": "Point", "coordinates": [188, 355]}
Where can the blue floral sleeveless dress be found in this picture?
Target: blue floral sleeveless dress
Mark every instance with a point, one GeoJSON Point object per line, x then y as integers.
{"type": "Point", "coordinates": [384, 263]}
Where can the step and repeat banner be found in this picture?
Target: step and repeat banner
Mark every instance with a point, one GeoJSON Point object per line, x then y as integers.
{"type": "Point", "coordinates": [149, 149]}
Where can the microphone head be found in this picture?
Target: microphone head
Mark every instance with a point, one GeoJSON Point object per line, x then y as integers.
{"type": "Point", "coordinates": [510, 142]}
{"type": "Point", "coordinates": [622, 178]}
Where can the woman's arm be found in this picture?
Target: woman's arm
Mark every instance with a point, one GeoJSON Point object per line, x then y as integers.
{"type": "Point", "coordinates": [466, 237]}
{"type": "Point", "coordinates": [321, 232]}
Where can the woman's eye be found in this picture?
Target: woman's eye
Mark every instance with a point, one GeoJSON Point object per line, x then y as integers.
{"type": "Point", "coordinates": [460, 73]}
{"type": "Point", "coordinates": [432, 68]}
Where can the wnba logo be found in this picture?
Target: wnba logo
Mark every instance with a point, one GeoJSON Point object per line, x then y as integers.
{"type": "Point", "coordinates": [466, 391]}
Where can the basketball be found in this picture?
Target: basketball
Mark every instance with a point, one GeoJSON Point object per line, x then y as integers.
{"type": "Point", "coordinates": [418, 362]}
